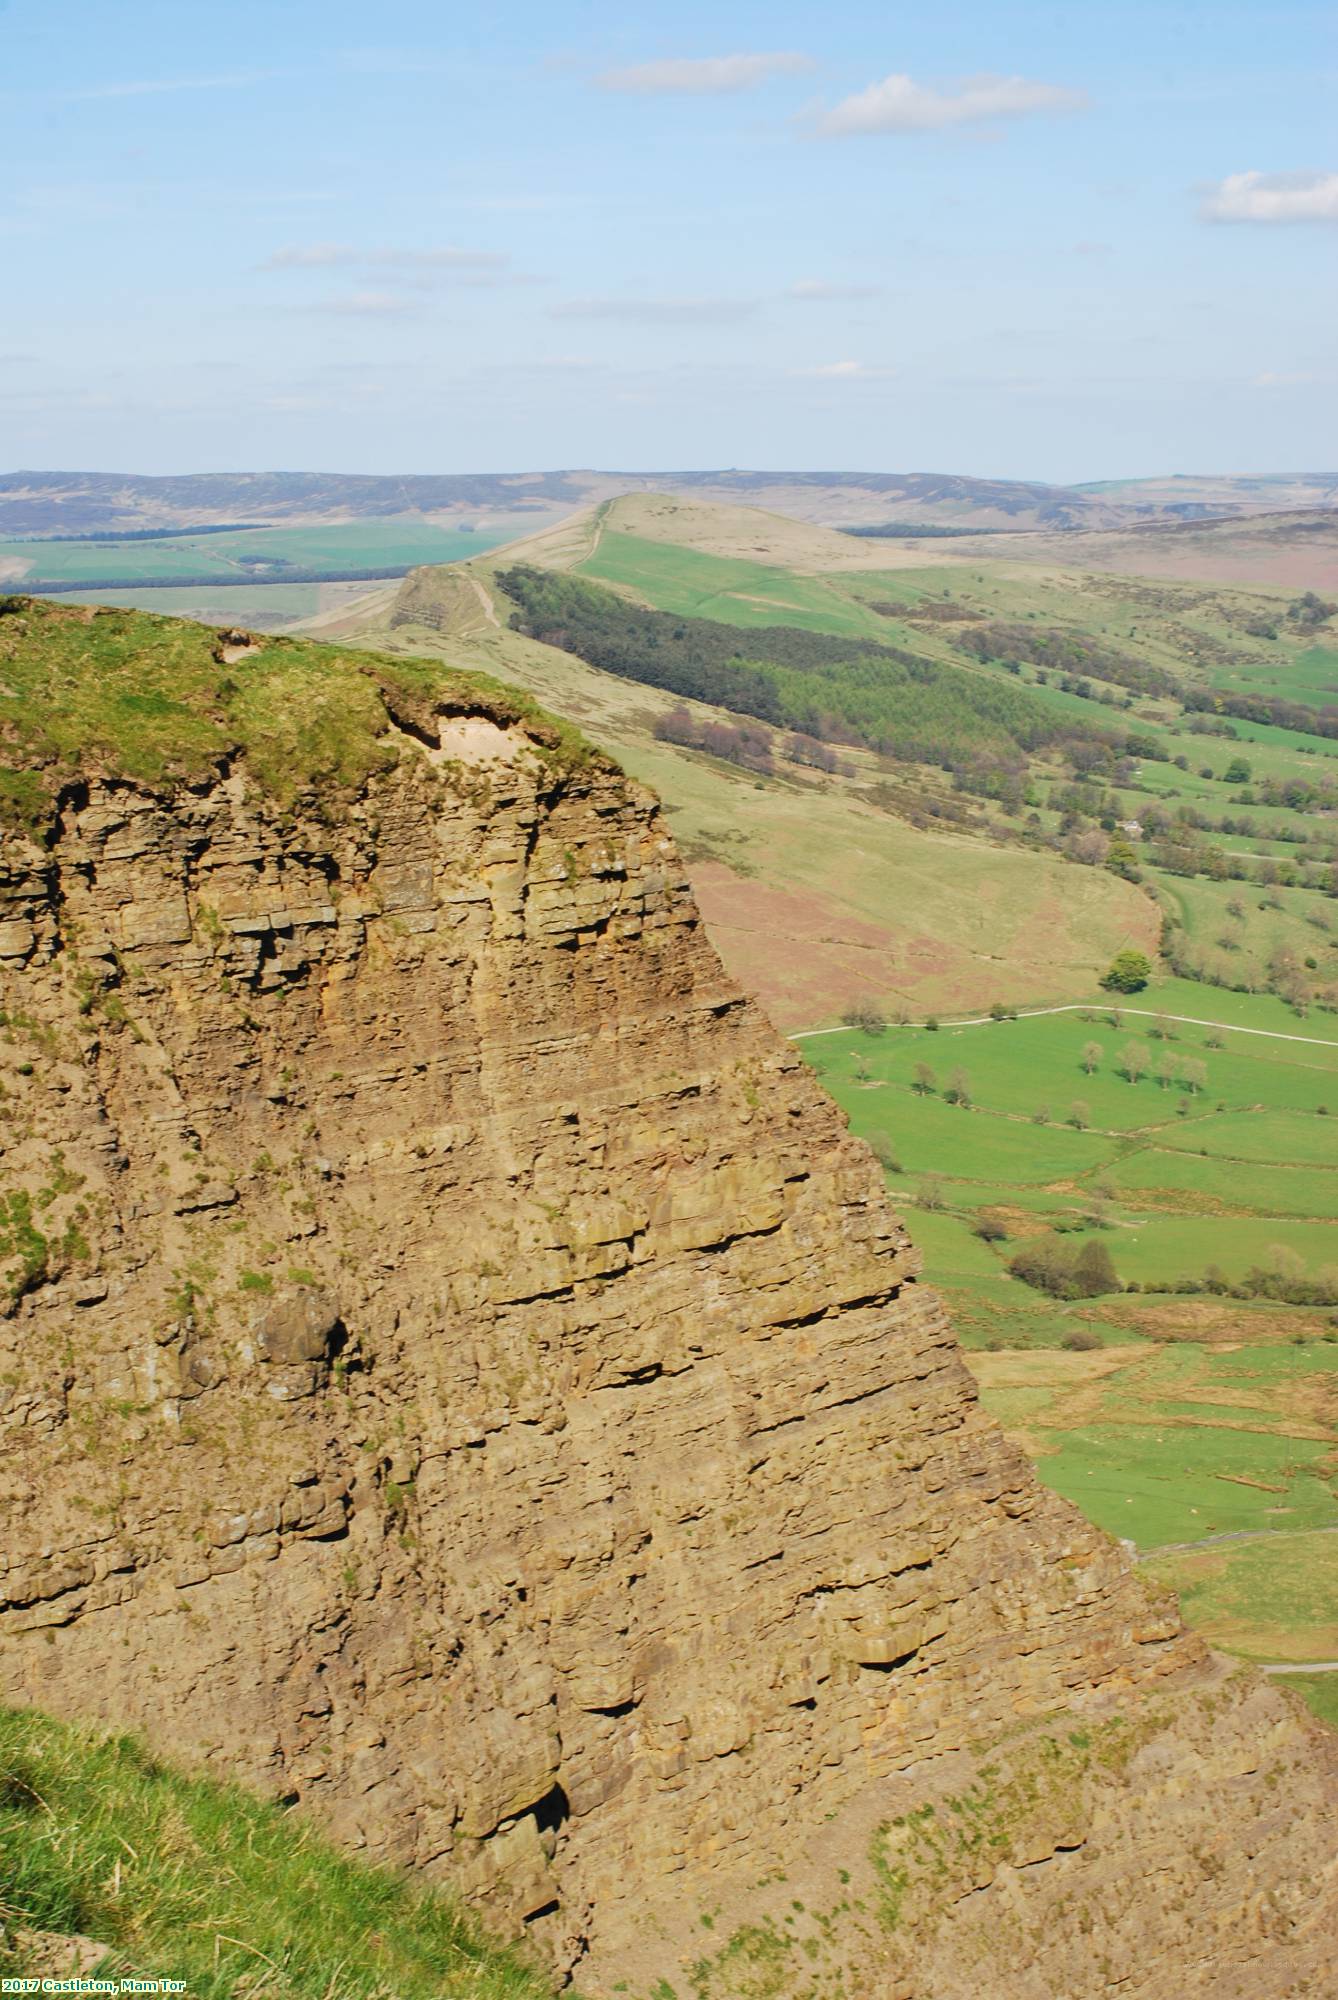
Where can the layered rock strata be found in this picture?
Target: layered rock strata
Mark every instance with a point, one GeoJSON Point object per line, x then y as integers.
{"type": "Point", "coordinates": [458, 1372]}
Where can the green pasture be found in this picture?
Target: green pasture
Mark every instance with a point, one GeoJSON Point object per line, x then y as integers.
{"type": "Point", "coordinates": [1241, 947]}
{"type": "Point", "coordinates": [726, 588]}
{"type": "Point", "coordinates": [1275, 1599]}
{"type": "Point", "coordinates": [347, 545]}
{"type": "Point", "coordinates": [1262, 1134]}
{"type": "Point", "coordinates": [1186, 1180]}
{"type": "Point", "coordinates": [263, 605]}
{"type": "Point", "coordinates": [1159, 1483]}
{"type": "Point", "coordinates": [1237, 1173]}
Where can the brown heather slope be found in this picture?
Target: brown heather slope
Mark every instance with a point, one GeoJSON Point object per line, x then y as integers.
{"type": "Point", "coordinates": [459, 1373]}
{"type": "Point", "coordinates": [1293, 551]}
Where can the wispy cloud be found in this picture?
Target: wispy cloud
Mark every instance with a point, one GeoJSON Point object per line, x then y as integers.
{"type": "Point", "coordinates": [330, 256]}
{"type": "Point", "coordinates": [367, 305]}
{"type": "Point", "coordinates": [1303, 378]}
{"type": "Point", "coordinates": [900, 105]}
{"type": "Point", "coordinates": [844, 371]}
{"type": "Point", "coordinates": [158, 86]}
{"type": "Point", "coordinates": [817, 291]}
{"type": "Point", "coordinates": [706, 76]}
{"type": "Point", "coordinates": [1256, 197]}
{"type": "Point", "coordinates": [659, 312]}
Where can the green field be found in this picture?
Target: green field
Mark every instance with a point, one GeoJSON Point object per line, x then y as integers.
{"type": "Point", "coordinates": [727, 589]}
{"type": "Point", "coordinates": [1169, 1416]}
{"type": "Point", "coordinates": [248, 554]}
{"type": "Point", "coordinates": [1056, 1133]}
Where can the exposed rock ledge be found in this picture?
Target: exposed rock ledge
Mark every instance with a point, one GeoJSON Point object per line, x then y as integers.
{"type": "Point", "coordinates": [459, 1373]}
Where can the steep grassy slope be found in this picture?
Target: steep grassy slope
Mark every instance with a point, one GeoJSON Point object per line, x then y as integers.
{"type": "Point", "coordinates": [179, 1877]}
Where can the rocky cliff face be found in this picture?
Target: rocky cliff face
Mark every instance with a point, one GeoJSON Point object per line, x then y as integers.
{"type": "Point", "coordinates": [457, 1371]}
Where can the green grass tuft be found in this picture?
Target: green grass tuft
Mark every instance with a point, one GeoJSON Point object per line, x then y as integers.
{"type": "Point", "coordinates": [190, 1879]}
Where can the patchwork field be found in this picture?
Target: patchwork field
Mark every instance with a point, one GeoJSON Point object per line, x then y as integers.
{"type": "Point", "coordinates": [1182, 1415]}
{"type": "Point", "coordinates": [247, 556]}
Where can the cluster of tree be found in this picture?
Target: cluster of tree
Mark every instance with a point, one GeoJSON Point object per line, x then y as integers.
{"type": "Point", "coordinates": [1296, 794]}
{"type": "Point", "coordinates": [1309, 612]}
{"type": "Point", "coordinates": [1072, 654]}
{"type": "Point", "coordinates": [896, 531]}
{"type": "Point", "coordinates": [824, 687]}
{"type": "Point", "coordinates": [1266, 708]}
{"type": "Point", "coordinates": [816, 755]}
{"type": "Point", "coordinates": [865, 1014]}
{"type": "Point", "coordinates": [750, 748]}
{"type": "Point", "coordinates": [1282, 1277]}
{"type": "Point", "coordinates": [957, 1089]}
{"type": "Point", "coordinates": [1048, 1264]}
{"type": "Point", "coordinates": [103, 537]}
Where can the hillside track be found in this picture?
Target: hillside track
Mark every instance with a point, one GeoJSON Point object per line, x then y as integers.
{"type": "Point", "coordinates": [1083, 1007]}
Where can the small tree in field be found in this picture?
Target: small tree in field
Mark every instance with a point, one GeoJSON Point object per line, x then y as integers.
{"type": "Point", "coordinates": [867, 1015]}
{"type": "Point", "coordinates": [1194, 1076]}
{"type": "Point", "coordinates": [992, 1225]}
{"type": "Point", "coordinates": [1168, 1069]}
{"type": "Point", "coordinates": [924, 1082]}
{"type": "Point", "coordinates": [1128, 972]}
{"type": "Point", "coordinates": [1094, 1272]}
{"type": "Point", "coordinates": [1092, 1053]}
{"type": "Point", "coordinates": [1134, 1060]}
{"type": "Point", "coordinates": [1080, 1114]}
{"type": "Point", "coordinates": [958, 1089]}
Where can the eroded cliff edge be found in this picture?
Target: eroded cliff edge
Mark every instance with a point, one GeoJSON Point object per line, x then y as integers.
{"type": "Point", "coordinates": [458, 1371]}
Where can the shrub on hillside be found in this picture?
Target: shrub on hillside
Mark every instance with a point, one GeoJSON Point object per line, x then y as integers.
{"type": "Point", "coordinates": [1048, 1265]}
{"type": "Point", "coordinates": [1129, 971]}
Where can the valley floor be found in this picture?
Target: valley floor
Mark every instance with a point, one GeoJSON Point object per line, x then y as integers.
{"type": "Point", "coordinates": [1195, 1421]}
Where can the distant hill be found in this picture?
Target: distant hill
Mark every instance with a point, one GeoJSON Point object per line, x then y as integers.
{"type": "Point", "coordinates": [1287, 549]}
{"type": "Point", "coordinates": [92, 503]}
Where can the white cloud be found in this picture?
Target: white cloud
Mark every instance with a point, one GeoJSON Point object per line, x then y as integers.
{"type": "Point", "coordinates": [899, 104]}
{"type": "Point", "coordinates": [706, 76]}
{"type": "Point", "coordinates": [327, 256]}
{"type": "Point", "coordinates": [1256, 197]}
{"type": "Point", "coordinates": [844, 371]}
{"type": "Point", "coordinates": [659, 312]}
{"type": "Point", "coordinates": [817, 291]}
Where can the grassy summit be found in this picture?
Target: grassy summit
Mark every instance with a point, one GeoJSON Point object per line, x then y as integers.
{"type": "Point", "coordinates": [165, 701]}
{"type": "Point", "coordinates": [188, 1879]}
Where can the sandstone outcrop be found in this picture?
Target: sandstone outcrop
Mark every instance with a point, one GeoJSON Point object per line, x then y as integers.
{"type": "Point", "coordinates": [458, 1371]}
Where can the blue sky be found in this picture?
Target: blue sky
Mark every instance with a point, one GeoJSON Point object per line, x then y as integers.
{"type": "Point", "coordinates": [1023, 240]}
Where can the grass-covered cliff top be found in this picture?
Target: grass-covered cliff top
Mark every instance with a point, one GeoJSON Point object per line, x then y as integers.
{"type": "Point", "coordinates": [188, 1879]}
{"type": "Point", "coordinates": [88, 691]}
